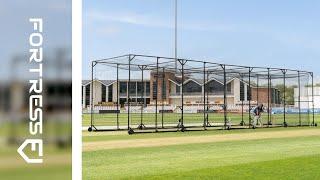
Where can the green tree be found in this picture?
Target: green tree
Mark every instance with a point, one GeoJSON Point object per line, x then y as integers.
{"type": "Point", "coordinates": [289, 93]}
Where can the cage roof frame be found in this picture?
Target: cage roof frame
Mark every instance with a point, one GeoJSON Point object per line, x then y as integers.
{"type": "Point", "coordinates": [209, 67]}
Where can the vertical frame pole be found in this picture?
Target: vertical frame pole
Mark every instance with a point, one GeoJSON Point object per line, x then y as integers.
{"type": "Point", "coordinates": [157, 85]}
{"type": "Point", "coordinates": [162, 96]}
{"type": "Point", "coordinates": [312, 92]}
{"type": "Point", "coordinates": [128, 93]}
{"type": "Point", "coordinates": [142, 98]}
{"type": "Point", "coordinates": [207, 102]}
{"type": "Point", "coordinates": [284, 98]}
{"type": "Point", "coordinates": [176, 34]}
{"type": "Point", "coordinates": [308, 101]}
{"type": "Point", "coordinates": [91, 103]}
{"type": "Point", "coordinates": [145, 93]}
{"type": "Point", "coordinates": [242, 121]}
{"type": "Point", "coordinates": [257, 89]}
{"type": "Point", "coordinates": [299, 98]}
{"type": "Point", "coordinates": [249, 97]}
{"type": "Point", "coordinates": [118, 97]}
{"type": "Point", "coordinates": [268, 79]}
{"type": "Point", "coordinates": [224, 96]}
{"type": "Point", "coordinates": [273, 97]}
{"type": "Point", "coordinates": [204, 96]}
{"type": "Point", "coordinates": [182, 93]}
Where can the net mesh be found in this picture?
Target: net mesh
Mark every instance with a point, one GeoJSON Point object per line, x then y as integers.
{"type": "Point", "coordinates": [146, 92]}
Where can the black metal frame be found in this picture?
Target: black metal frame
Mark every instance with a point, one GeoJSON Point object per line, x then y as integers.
{"type": "Point", "coordinates": [205, 68]}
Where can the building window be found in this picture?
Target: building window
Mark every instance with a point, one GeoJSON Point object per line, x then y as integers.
{"type": "Point", "coordinates": [164, 90]}
{"type": "Point", "coordinates": [241, 91]}
{"type": "Point", "coordinates": [177, 89]}
{"type": "Point", "coordinates": [192, 87]}
{"type": "Point", "coordinates": [103, 93]}
{"type": "Point", "coordinates": [123, 88]}
{"type": "Point", "coordinates": [140, 88]}
{"type": "Point", "coordinates": [147, 88]}
{"type": "Point", "coordinates": [229, 88]}
{"type": "Point", "coordinates": [87, 95]}
{"type": "Point", "coordinates": [81, 94]}
{"type": "Point", "coordinates": [132, 88]}
{"type": "Point", "coordinates": [110, 93]}
{"type": "Point", "coordinates": [154, 92]}
{"type": "Point", "coordinates": [248, 93]}
{"type": "Point", "coordinates": [214, 87]}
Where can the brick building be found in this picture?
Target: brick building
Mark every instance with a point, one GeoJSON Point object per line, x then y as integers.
{"type": "Point", "coordinates": [168, 91]}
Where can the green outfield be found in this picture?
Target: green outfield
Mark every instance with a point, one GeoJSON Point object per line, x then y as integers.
{"type": "Point", "coordinates": [172, 118]}
{"type": "Point", "coordinates": [57, 159]}
{"type": "Point", "coordinates": [57, 164]}
{"type": "Point", "coordinates": [268, 153]}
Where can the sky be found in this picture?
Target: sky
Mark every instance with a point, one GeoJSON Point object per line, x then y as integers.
{"type": "Point", "coordinates": [16, 29]}
{"type": "Point", "coordinates": [272, 33]}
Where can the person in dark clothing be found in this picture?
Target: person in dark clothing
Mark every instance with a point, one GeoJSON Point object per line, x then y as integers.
{"type": "Point", "coordinates": [256, 113]}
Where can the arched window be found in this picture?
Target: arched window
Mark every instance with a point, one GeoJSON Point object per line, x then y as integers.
{"type": "Point", "coordinates": [192, 87]}
{"type": "Point", "coordinates": [214, 86]}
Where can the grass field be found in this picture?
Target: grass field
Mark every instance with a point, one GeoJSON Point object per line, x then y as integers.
{"type": "Point", "coordinates": [57, 160]}
{"type": "Point", "coordinates": [57, 164]}
{"type": "Point", "coordinates": [268, 153]}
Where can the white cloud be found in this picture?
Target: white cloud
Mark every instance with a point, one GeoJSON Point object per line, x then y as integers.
{"type": "Point", "coordinates": [149, 20]}
{"type": "Point", "coordinates": [128, 18]}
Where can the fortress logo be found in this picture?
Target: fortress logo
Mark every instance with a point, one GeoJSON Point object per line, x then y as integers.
{"type": "Point", "coordinates": [35, 92]}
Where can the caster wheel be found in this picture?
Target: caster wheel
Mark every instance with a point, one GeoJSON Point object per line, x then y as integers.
{"type": "Point", "coordinates": [90, 129]}
{"type": "Point", "coordinates": [130, 131]}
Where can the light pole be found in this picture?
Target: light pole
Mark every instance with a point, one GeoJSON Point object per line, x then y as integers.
{"type": "Point", "coordinates": [175, 34]}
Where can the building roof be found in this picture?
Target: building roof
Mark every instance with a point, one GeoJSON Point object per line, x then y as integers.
{"type": "Point", "coordinates": [176, 81]}
{"type": "Point", "coordinates": [104, 82]}
{"type": "Point", "coordinates": [200, 81]}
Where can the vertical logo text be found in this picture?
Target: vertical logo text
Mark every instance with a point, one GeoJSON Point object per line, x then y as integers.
{"type": "Point", "coordinates": [35, 93]}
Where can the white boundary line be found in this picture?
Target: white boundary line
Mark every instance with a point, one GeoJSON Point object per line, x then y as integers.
{"type": "Point", "coordinates": [76, 89]}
